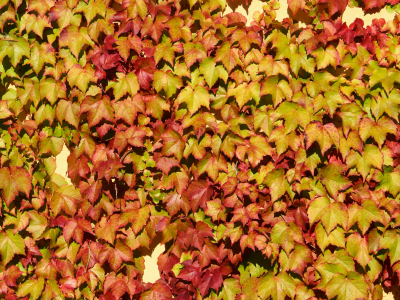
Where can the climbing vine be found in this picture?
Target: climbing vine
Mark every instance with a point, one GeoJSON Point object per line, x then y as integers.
{"type": "Point", "coordinates": [265, 157]}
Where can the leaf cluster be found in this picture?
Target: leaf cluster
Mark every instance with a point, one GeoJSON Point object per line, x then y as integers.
{"type": "Point", "coordinates": [265, 157]}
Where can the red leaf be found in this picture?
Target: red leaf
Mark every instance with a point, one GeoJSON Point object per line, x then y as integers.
{"type": "Point", "coordinates": [145, 68]}
{"type": "Point", "coordinates": [199, 192]}
{"type": "Point", "coordinates": [74, 228]}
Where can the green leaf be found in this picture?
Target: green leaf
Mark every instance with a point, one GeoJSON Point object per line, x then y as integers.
{"type": "Point", "coordinates": [166, 81]}
{"type": "Point", "coordinates": [377, 130]}
{"type": "Point", "coordinates": [286, 236]}
{"type": "Point", "coordinates": [388, 180]}
{"type": "Point", "coordinates": [14, 49]}
{"type": "Point", "coordinates": [10, 244]}
{"type": "Point", "coordinates": [212, 72]}
{"type": "Point", "coordinates": [330, 214]}
{"type": "Point", "coordinates": [371, 156]}
{"type": "Point", "coordinates": [294, 115]}
{"type": "Point", "coordinates": [331, 177]}
{"type": "Point", "coordinates": [81, 77]}
{"type": "Point", "coordinates": [33, 287]}
{"type": "Point", "coordinates": [347, 287]}
{"type": "Point", "coordinates": [231, 288]}
{"type": "Point", "coordinates": [194, 98]}
{"type": "Point", "coordinates": [51, 145]}
{"type": "Point", "coordinates": [325, 135]}
{"type": "Point", "coordinates": [126, 84]}
{"type": "Point", "coordinates": [277, 183]}
{"type": "Point", "coordinates": [277, 287]}
{"type": "Point", "coordinates": [391, 241]}
{"type": "Point", "coordinates": [335, 237]}
{"type": "Point", "coordinates": [357, 247]}
{"type": "Point", "coordinates": [245, 92]}
{"type": "Point", "coordinates": [278, 90]}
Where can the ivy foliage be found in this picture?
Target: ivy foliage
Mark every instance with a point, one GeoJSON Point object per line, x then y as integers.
{"type": "Point", "coordinates": [266, 158]}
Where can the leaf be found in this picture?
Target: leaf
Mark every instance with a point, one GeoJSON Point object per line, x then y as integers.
{"type": "Point", "coordinates": [228, 56]}
{"type": "Point", "coordinates": [81, 77]}
{"type": "Point", "coordinates": [326, 57]}
{"type": "Point", "coordinates": [388, 180]}
{"type": "Point", "coordinates": [329, 102]}
{"type": "Point", "coordinates": [330, 214]}
{"type": "Point", "coordinates": [255, 148]}
{"type": "Point", "coordinates": [145, 68]}
{"type": "Point", "coordinates": [278, 90]}
{"type": "Point", "coordinates": [126, 84]}
{"type": "Point", "coordinates": [41, 54]}
{"type": "Point", "coordinates": [194, 52]}
{"type": "Point", "coordinates": [335, 237]}
{"type": "Point", "coordinates": [135, 8]}
{"type": "Point", "coordinates": [212, 165]}
{"type": "Point", "coordinates": [173, 144]}
{"type": "Point", "coordinates": [212, 72]}
{"type": "Point", "coordinates": [12, 181]}
{"type": "Point", "coordinates": [194, 98]}
{"type": "Point", "coordinates": [51, 145]}
{"type": "Point", "coordinates": [93, 8]}
{"type": "Point", "coordinates": [33, 287]}
{"type": "Point", "coordinates": [350, 287]}
{"type": "Point", "coordinates": [245, 39]}
{"type": "Point", "coordinates": [125, 44]}
{"type": "Point", "coordinates": [391, 240]}
{"type": "Point", "coordinates": [74, 228]}
{"type": "Point", "coordinates": [34, 23]}
{"type": "Point", "coordinates": [69, 112]}
{"type": "Point", "coordinates": [106, 228]}
{"type": "Point", "coordinates": [14, 49]}
{"type": "Point", "coordinates": [65, 198]}
{"type": "Point", "coordinates": [62, 13]}
{"type": "Point", "coordinates": [390, 106]}
{"type": "Point", "coordinates": [4, 111]}
{"type": "Point", "coordinates": [166, 51]}
{"type": "Point", "coordinates": [294, 116]}
{"type": "Point", "coordinates": [98, 108]}
{"type": "Point", "coordinates": [357, 247]}
{"type": "Point", "coordinates": [326, 135]}
{"type": "Point", "coordinates": [286, 236]}
{"type": "Point", "coordinates": [179, 180]}
{"type": "Point", "coordinates": [244, 92]}
{"type": "Point", "coordinates": [166, 81]}
{"type": "Point", "coordinates": [75, 38]}
{"type": "Point", "coordinates": [351, 115]}
{"type": "Point", "coordinates": [377, 130]}
{"type": "Point", "coordinates": [276, 287]}
{"type": "Point", "coordinates": [300, 59]}
{"type": "Point", "coordinates": [30, 91]}
{"type": "Point", "coordinates": [175, 202]}
{"type": "Point", "coordinates": [274, 67]}
{"type": "Point", "coordinates": [10, 244]}
{"type": "Point", "coordinates": [155, 106]}
{"type": "Point", "coordinates": [357, 64]}
{"type": "Point", "coordinates": [231, 288]}
{"type": "Point", "coordinates": [299, 258]}
{"type": "Point", "coordinates": [371, 156]}
{"type": "Point", "coordinates": [277, 183]}
{"type": "Point", "coordinates": [37, 224]}
{"type": "Point", "coordinates": [333, 180]}
{"type": "Point", "coordinates": [199, 192]}
{"type": "Point", "coordinates": [52, 90]}
{"type": "Point", "coordinates": [336, 6]}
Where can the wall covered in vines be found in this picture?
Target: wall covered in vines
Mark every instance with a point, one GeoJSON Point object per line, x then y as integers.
{"type": "Point", "coordinates": [265, 157]}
